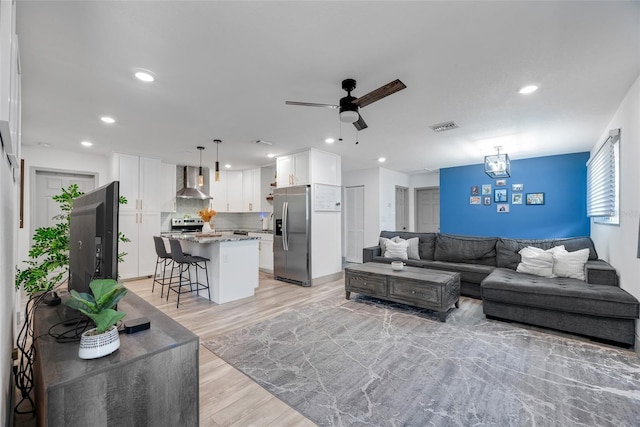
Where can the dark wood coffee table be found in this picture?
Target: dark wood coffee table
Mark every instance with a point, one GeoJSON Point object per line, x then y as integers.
{"type": "Point", "coordinates": [422, 287]}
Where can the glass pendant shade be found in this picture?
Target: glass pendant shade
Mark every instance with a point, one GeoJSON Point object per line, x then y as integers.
{"type": "Point", "coordinates": [497, 165]}
{"type": "Point", "coordinates": [349, 116]}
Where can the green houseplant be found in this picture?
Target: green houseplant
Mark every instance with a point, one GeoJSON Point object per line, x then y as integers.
{"type": "Point", "coordinates": [48, 262]}
{"type": "Point", "coordinates": [100, 308]}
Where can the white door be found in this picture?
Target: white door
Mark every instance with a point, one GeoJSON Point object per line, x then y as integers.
{"type": "Point", "coordinates": [428, 210]}
{"type": "Point", "coordinates": [354, 223]}
{"type": "Point", "coordinates": [49, 184]}
{"type": "Point", "coordinates": [402, 208]}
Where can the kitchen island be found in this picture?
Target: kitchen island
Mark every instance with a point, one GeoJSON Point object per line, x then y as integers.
{"type": "Point", "coordinates": [232, 266]}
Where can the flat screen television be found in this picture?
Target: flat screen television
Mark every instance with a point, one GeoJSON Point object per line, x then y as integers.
{"type": "Point", "coordinates": [93, 237]}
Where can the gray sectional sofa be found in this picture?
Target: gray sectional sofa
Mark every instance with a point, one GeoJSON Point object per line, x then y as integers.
{"type": "Point", "coordinates": [596, 307]}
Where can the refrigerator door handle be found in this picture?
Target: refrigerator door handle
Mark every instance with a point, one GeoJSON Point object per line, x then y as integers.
{"type": "Point", "coordinates": [285, 234]}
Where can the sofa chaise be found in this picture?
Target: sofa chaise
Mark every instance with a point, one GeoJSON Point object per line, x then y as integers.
{"type": "Point", "coordinates": [595, 307]}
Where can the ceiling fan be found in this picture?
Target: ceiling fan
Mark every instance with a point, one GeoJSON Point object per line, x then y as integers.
{"type": "Point", "coordinates": [349, 105]}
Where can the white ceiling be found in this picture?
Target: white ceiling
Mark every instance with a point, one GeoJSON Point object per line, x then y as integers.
{"type": "Point", "coordinates": [225, 69]}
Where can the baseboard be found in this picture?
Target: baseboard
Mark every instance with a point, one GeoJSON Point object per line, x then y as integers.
{"type": "Point", "coordinates": [327, 278]}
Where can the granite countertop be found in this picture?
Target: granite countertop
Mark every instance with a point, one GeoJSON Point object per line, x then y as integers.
{"type": "Point", "coordinates": [215, 237]}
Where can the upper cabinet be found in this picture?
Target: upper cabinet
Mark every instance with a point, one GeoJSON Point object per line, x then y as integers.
{"type": "Point", "coordinates": [10, 83]}
{"type": "Point", "coordinates": [168, 184]}
{"type": "Point", "coordinates": [251, 190]}
{"type": "Point", "coordinates": [227, 193]}
{"type": "Point", "coordinates": [139, 181]}
{"type": "Point", "coordinates": [293, 169]}
{"type": "Point", "coordinates": [308, 167]}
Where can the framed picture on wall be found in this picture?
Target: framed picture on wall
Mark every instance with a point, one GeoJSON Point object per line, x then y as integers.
{"type": "Point", "coordinates": [500, 195]}
{"type": "Point", "coordinates": [474, 200]}
{"type": "Point", "coordinates": [517, 187]}
{"type": "Point", "coordinates": [501, 182]}
{"type": "Point", "coordinates": [487, 201]}
{"type": "Point", "coordinates": [516, 198]}
{"type": "Point", "coordinates": [502, 208]}
{"type": "Point", "coordinates": [535, 198]}
{"type": "Point", "coordinates": [475, 190]}
{"type": "Point", "coordinates": [486, 190]}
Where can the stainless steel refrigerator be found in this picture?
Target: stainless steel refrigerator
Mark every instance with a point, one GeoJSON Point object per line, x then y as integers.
{"type": "Point", "coordinates": [292, 234]}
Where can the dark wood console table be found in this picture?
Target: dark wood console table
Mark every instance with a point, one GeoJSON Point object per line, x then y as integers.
{"type": "Point", "coordinates": [422, 287]}
{"type": "Point", "coordinates": [151, 380]}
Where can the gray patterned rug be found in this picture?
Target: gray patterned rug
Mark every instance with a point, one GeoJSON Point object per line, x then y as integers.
{"type": "Point", "coordinates": [369, 363]}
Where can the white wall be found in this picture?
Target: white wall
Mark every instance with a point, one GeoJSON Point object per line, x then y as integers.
{"type": "Point", "coordinates": [38, 158]}
{"type": "Point", "coordinates": [8, 248]}
{"type": "Point", "coordinates": [618, 244]}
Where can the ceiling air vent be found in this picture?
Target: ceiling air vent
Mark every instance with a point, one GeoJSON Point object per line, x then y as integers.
{"type": "Point", "coordinates": [441, 127]}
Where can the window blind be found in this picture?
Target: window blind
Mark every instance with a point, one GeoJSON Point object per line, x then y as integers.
{"type": "Point", "coordinates": [601, 179]}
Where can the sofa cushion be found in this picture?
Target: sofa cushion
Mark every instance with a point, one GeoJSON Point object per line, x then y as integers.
{"type": "Point", "coordinates": [466, 249]}
{"type": "Point", "coordinates": [507, 255]}
{"type": "Point", "coordinates": [426, 241]}
{"type": "Point", "coordinates": [560, 293]}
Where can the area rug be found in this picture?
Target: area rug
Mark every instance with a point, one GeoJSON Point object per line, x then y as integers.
{"type": "Point", "coordinates": [369, 363]}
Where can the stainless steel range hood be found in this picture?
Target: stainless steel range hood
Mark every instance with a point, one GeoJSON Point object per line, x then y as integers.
{"type": "Point", "coordinates": [191, 189]}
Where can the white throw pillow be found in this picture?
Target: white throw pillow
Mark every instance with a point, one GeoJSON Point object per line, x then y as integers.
{"type": "Point", "coordinates": [536, 261]}
{"type": "Point", "coordinates": [383, 245]}
{"type": "Point", "coordinates": [396, 250]}
{"type": "Point", "coordinates": [570, 264]}
{"type": "Point", "coordinates": [412, 250]}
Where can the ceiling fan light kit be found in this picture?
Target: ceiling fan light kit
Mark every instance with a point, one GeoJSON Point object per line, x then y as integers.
{"type": "Point", "coordinates": [349, 105]}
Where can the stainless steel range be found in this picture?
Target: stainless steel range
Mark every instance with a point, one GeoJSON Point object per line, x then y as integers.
{"type": "Point", "coordinates": [186, 224]}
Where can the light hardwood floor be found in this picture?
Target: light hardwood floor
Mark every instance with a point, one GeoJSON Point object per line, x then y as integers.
{"type": "Point", "coordinates": [227, 396]}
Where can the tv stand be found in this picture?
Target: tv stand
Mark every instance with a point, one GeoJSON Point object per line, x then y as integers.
{"type": "Point", "coordinates": [152, 379]}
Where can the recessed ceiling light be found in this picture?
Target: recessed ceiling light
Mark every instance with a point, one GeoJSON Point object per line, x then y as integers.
{"type": "Point", "coordinates": [271, 155]}
{"type": "Point", "coordinates": [528, 89]}
{"type": "Point", "coordinates": [144, 75]}
{"type": "Point", "coordinates": [87, 143]}
{"type": "Point", "coordinates": [108, 119]}
{"type": "Point", "coordinates": [227, 166]}
{"type": "Point", "coordinates": [329, 140]}
{"type": "Point", "coordinates": [382, 159]}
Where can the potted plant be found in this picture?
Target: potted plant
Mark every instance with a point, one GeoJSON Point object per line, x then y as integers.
{"type": "Point", "coordinates": [104, 339]}
{"type": "Point", "coordinates": [207, 215]}
{"type": "Point", "coordinates": [48, 262]}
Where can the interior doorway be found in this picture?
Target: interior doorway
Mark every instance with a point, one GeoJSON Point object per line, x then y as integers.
{"type": "Point", "coordinates": [402, 208]}
{"type": "Point", "coordinates": [49, 184]}
{"type": "Point", "coordinates": [428, 210]}
{"type": "Point", "coordinates": [354, 223]}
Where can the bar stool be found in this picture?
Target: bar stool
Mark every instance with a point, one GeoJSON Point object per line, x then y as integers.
{"type": "Point", "coordinates": [165, 259]}
{"type": "Point", "coordinates": [184, 262]}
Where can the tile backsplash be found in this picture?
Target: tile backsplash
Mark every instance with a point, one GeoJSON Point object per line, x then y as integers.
{"type": "Point", "coordinates": [222, 221]}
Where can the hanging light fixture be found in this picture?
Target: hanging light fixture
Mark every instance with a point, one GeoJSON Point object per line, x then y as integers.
{"type": "Point", "coordinates": [217, 142]}
{"type": "Point", "coordinates": [200, 175]}
{"type": "Point", "coordinates": [497, 165]}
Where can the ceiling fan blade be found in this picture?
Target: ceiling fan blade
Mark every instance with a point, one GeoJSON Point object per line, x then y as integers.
{"type": "Point", "coordinates": [310, 104]}
{"type": "Point", "coordinates": [360, 124]}
{"type": "Point", "coordinates": [381, 92]}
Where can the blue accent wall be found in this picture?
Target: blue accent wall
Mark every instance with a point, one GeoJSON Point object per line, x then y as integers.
{"type": "Point", "coordinates": [562, 179]}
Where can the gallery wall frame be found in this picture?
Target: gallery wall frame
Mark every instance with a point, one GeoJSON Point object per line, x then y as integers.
{"type": "Point", "coordinates": [535, 199]}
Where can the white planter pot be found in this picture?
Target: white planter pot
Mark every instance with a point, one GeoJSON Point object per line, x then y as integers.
{"type": "Point", "coordinates": [95, 346]}
{"type": "Point", "coordinates": [206, 227]}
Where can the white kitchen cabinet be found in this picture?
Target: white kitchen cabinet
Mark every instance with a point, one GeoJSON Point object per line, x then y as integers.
{"type": "Point", "coordinates": [265, 251]}
{"type": "Point", "coordinates": [139, 219]}
{"type": "Point", "coordinates": [293, 169]}
{"type": "Point", "coordinates": [168, 187]}
{"type": "Point", "coordinates": [251, 190]}
{"type": "Point", "coordinates": [227, 193]}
